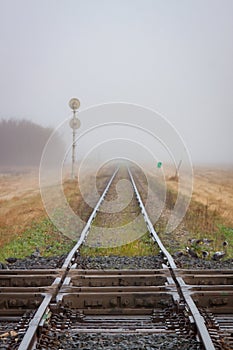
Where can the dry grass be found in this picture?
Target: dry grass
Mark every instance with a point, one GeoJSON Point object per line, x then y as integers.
{"type": "Point", "coordinates": [21, 205]}
{"type": "Point", "coordinates": [20, 202]}
{"type": "Point", "coordinates": [19, 182]}
{"type": "Point", "coordinates": [209, 214]}
{"type": "Point", "coordinates": [17, 214]}
{"type": "Point", "coordinates": [213, 187]}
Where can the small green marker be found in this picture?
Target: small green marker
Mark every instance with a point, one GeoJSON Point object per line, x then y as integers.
{"type": "Point", "coordinates": [159, 164]}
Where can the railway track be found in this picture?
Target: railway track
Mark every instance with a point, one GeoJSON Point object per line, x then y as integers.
{"type": "Point", "coordinates": [45, 309]}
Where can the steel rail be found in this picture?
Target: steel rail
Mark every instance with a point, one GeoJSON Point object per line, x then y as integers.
{"type": "Point", "coordinates": [86, 228]}
{"type": "Point", "coordinates": [29, 338]}
{"type": "Point", "coordinates": [150, 225]}
{"type": "Point", "coordinates": [182, 287]}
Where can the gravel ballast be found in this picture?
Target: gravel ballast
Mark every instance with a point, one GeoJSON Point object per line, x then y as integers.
{"type": "Point", "coordinates": [117, 263]}
{"type": "Point", "coordinates": [126, 341]}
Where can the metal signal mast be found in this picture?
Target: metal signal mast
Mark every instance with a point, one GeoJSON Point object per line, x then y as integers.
{"type": "Point", "coordinates": [74, 104]}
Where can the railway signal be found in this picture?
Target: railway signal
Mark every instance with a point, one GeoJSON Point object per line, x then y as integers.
{"type": "Point", "coordinates": [74, 104]}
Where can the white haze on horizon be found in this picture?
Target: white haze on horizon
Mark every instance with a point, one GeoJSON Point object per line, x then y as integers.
{"type": "Point", "coordinates": [174, 57]}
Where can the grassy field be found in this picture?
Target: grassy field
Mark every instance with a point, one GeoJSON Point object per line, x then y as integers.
{"type": "Point", "coordinates": [41, 235]}
{"type": "Point", "coordinates": [200, 223]}
{"type": "Point", "coordinates": [24, 225]}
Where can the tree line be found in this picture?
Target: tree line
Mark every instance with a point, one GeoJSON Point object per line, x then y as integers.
{"type": "Point", "coordinates": [22, 142]}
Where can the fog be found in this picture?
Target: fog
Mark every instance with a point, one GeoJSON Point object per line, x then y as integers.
{"type": "Point", "coordinates": [22, 143]}
{"type": "Point", "coordinates": [174, 57]}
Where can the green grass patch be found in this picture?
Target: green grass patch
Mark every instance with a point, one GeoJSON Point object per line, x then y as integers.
{"type": "Point", "coordinates": [216, 240]}
{"type": "Point", "coordinates": [144, 246]}
{"type": "Point", "coordinates": [226, 234]}
{"type": "Point", "coordinates": [42, 235]}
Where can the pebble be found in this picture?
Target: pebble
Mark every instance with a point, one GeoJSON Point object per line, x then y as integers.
{"type": "Point", "coordinates": [127, 342]}
{"type": "Point", "coordinates": [186, 262]}
{"type": "Point", "coordinates": [3, 266]}
{"type": "Point", "coordinates": [120, 262]}
{"type": "Point", "coordinates": [37, 262]}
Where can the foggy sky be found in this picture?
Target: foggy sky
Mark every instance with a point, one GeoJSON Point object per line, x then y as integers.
{"type": "Point", "coordinates": [174, 56]}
